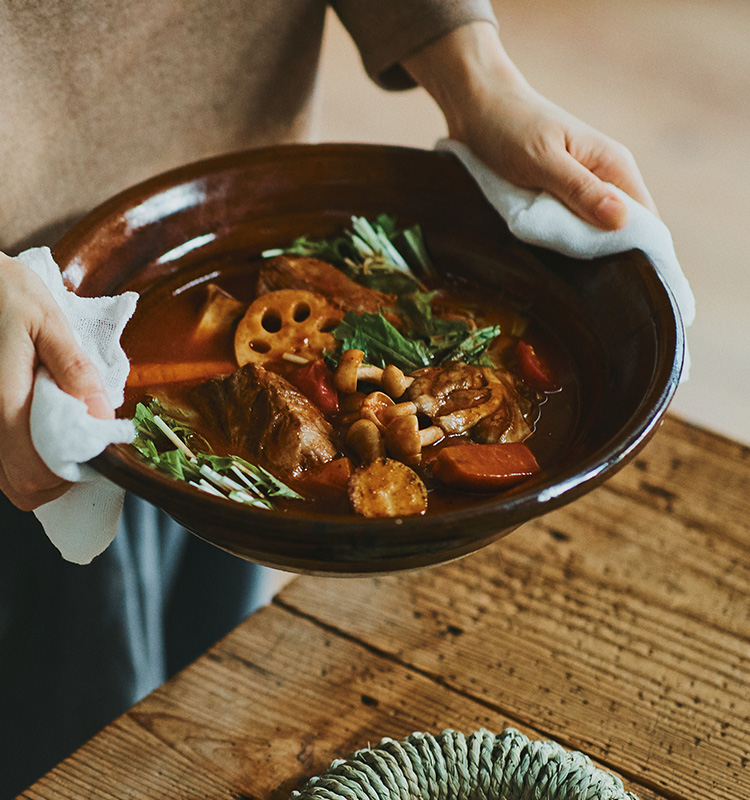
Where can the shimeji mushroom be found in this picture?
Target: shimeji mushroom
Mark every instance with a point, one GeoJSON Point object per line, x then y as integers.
{"type": "Point", "coordinates": [394, 382]}
{"type": "Point", "coordinates": [374, 407]}
{"type": "Point", "coordinates": [350, 406]}
{"type": "Point", "coordinates": [365, 440]}
{"type": "Point", "coordinates": [380, 409]}
{"type": "Point", "coordinates": [404, 440]}
{"type": "Point", "coordinates": [393, 412]}
{"type": "Point", "coordinates": [351, 370]}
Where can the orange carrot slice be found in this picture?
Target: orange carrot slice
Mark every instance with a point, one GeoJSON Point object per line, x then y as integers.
{"type": "Point", "coordinates": [178, 372]}
{"type": "Point", "coordinates": [485, 467]}
{"type": "Point", "coordinates": [328, 481]}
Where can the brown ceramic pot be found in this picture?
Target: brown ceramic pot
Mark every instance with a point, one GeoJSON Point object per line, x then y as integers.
{"type": "Point", "coordinates": [615, 316]}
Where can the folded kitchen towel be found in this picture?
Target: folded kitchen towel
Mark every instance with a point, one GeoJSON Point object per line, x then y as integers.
{"type": "Point", "coordinates": [83, 522]}
{"type": "Point", "coordinates": [538, 218]}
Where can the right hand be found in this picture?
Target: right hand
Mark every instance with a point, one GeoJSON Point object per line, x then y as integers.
{"type": "Point", "coordinates": [34, 332]}
{"type": "Point", "coordinates": [526, 139]}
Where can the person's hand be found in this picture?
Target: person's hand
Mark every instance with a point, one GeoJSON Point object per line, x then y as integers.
{"type": "Point", "coordinates": [34, 331]}
{"type": "Point", "coordinates": [525, 138]}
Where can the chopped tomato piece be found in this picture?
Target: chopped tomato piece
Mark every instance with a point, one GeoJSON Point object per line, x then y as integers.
{"type": "Point", "coordinates": [485, 467]}
{"type": "Point", "coordinates": [315, 381]}
{"type": "Point", "coordinates": [534, 369]}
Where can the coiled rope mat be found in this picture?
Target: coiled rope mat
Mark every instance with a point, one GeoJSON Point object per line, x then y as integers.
{"type": "Point", "coordinates": [452, 766]}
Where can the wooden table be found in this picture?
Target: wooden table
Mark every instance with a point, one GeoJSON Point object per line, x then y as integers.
{"type": "Point", "coordinates": [619, 626]}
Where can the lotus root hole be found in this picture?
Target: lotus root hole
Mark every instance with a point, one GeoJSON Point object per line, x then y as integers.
{"type": "Point", "coordinates": [271, 321]}
{"type": "Point", "coordinates": [301, 312]}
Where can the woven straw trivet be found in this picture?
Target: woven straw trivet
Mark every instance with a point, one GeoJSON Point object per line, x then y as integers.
{"type": "Point", "coordinates": [453, 766]}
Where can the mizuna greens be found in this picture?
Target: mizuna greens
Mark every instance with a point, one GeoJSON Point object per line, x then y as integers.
{"type": "Point", "coordinates": [369, 251]}
{"type": "Point", "coordinates": [167, 445]}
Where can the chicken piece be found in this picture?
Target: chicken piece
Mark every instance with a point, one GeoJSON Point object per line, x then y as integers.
{"type": "Point", "coordinates": [510, 421]}
{"type": "Point", "coordinates": [459, 398]}
{"type": "Point", "coordinates": [314, 275]}
{"type": "Point", "coordinates": [432, 387]}
{"type": "Point", "coordinates": [267, 418]}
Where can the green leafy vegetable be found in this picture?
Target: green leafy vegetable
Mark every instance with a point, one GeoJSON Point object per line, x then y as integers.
{"type": "Point", "coordinates": [473, 349]}
{"type": "Point", "coordinates": [441, 334]}
{"type": "Point", "coordinates": [336, 250]}
{"type": "Point", "coordinates": [164, 444]}
{"type": "Point", "coordinates": [381, 342]}
{"type": "Point", "coordinates": [447, 339]}
{"type": "Point", "coordinates": [372, 252]}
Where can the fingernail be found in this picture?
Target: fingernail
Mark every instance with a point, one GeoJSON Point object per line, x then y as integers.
{"type": "Point", "coordinates": [611, 212]}
{"type": "Point", "coordinates": [99, 406]}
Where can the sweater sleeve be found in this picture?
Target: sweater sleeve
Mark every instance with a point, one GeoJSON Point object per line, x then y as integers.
{"type": "Point", "coordinates": [388, 31]}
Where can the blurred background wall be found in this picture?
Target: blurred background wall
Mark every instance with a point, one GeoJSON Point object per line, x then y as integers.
{"type": "Point", "coordinates": [671, 80]}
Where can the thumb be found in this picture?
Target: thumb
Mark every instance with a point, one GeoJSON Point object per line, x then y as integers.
{"type": "Point", "coordinates": [72, 370]}
{"type": "Point", "coordinates": [586, 195]}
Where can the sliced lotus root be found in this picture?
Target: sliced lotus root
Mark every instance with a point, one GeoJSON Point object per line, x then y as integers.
{"type": "Point", "coordinates": [287, 321]}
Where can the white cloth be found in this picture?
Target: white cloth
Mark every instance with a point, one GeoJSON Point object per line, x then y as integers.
{"type": "Point", "coordinates": [83, 522]}
{"type": "Point", "coordinates": [538, 218]}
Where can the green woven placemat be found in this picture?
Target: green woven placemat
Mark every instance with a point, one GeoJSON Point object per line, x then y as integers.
{"type": "Point", "coordinates": [453, 766]}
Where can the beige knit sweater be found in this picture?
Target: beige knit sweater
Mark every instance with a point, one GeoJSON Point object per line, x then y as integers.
{"type": "Point", "coordinates": [96, 95]}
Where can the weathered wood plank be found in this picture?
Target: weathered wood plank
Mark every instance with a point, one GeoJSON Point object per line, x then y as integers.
{"type": "Point", "coordinates": [699, 477]}
{"type": "Point", "coordinates": [609, 625]}
{"type": "Point", "coordinates": [612, 625]}
{"type": "Point", "coordinates": [271, 705]}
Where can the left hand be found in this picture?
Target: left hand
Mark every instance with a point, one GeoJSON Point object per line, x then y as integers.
{"type": "Point", "coordinates": [525, 138]}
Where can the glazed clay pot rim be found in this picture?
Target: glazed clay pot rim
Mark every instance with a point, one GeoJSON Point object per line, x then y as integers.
{"type": "Point", "coordinates": [225, 162]}
{"type": "Point", "coordinates": [520, 505]}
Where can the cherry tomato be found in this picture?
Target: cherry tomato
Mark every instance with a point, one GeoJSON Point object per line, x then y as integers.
{"type": "Point", "coordinates": [534, 369]}
{"type": "Point", "coordinates": [315, 381]}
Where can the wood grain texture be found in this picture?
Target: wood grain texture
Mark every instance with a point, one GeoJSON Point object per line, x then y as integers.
{"type": "Point", "coordinates": [617, 625]}
{"type": "Point", "coordinates": [267, 708]}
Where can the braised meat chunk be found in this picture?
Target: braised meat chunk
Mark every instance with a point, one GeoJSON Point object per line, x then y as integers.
{"type": "Point", "coordinates": [314, 275]}
{"type": "Point", "coordinates": [262, 414]}
{"type": "Point", "coordinates": [486, 403]}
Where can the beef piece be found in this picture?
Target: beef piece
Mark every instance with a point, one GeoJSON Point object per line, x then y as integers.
{"type": "Point", "coordinates": [262, 415]}
{"type": "Point", "coordinates": [314, 275]}
{"type": "Point", "coordinates": [463, 398]}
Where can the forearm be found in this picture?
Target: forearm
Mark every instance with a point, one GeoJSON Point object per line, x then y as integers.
{"type": "Point", "coordinates": [462, 69]}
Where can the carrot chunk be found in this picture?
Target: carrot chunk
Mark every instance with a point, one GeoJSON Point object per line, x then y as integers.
{"type": "Point", "coordinates": [178, 372]}
{"type": "Point", "coordinates": [485, 467]}
{"type": "Point", "coordinates": [328, 481]}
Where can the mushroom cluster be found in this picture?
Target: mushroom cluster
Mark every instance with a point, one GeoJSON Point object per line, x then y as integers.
{"type": "Point", "coordinates": [381, 425]}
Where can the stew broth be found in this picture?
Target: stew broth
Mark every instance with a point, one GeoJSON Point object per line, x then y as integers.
{"type": "Point", "coordinates": [161, 332]}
